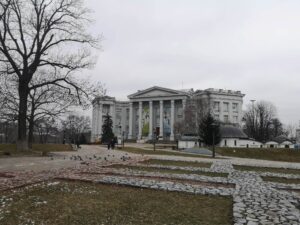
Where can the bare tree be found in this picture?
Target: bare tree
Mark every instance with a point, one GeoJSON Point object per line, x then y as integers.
{"type": "Point", "coordinates": [193, 114]}
{"type": "Point", "coordinates": [74, 126]}
{"type": "Point", "coordinates": [258, 120]}
{"type": "Point", "coordinates": [290, 131]}
{"type": "Point", "coordinates": [45, 35]}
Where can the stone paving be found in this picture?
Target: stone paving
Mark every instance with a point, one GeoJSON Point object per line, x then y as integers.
{"type": "Point", "coordinates": [255, 202]}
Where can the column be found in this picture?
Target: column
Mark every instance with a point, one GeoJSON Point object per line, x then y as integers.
{"type": "Point", "coordinates": [96, 119]}
{"type": "Point", "coordinates": [130, 120]}
{"type": "Point", "coordinates": [93, 124]}
{"type": "Point", "coordinates": [183, 108]}
{"type": "Point", "coordinates": [100, 120]}
{"type": "Point", "coordinates": [221, 112]}
{"type": "Point", "coordinates": [113, 117]}
{"type": "Point", "coordinates": [230, 113]}
{"type": "Point", "coordinates": [140, 120]}
{"type": "Point", "coordinates": [150, 119]}
{"type": "Point", "coordinates": [161, 119]}
{"type": "Point", "coordinates": [172, 120]}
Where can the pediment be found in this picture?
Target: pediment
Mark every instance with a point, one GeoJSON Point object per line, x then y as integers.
{"type": "Point", "coordinates": [156, 92]}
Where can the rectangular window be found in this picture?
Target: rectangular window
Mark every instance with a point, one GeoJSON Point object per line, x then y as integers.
{"type": "Point", "coordinates": [235, 107]}
{"type": "Point", "coordinates": [235, 119]}
{"type": "Point", "coordinates": [217, 116]}
{"type": "Point", "coordinates": [226, 107]}
{"type": "Point", "coordinates": [217, 106]}
{"type": "Point", "coordinates": [226, 119]}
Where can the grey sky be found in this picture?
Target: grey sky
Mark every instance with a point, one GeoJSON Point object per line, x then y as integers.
{"type": "Point", "coordinates": [252, 46]}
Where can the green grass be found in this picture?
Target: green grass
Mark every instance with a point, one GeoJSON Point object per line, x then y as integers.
{"type": "Point", "coordinates": [160, 170]}
{"type": "Point", "coordinates": [160, 152]}
{"type": "Point", "coordinates": [177, 163]}
{"type": "Point", "coordinates": [267, 169]}
{"type": "Point", "coordinates": [7, 150]}
{"type": "Point", "coordinates": [84, 203]}
{"type": "Point", "coordinates": [285, 155]}
{"type": "Point", "coordinates": [281, 180]}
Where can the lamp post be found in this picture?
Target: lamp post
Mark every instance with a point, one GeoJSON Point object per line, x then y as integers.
{"type": "Point", "coordinates": [214, 125]}
{"type": "Point", "coordinates": [120, 133]}
{"type": "Point", "coordinates": [154, 139]}
{"type": "Point", "coordinates": [123, 134]}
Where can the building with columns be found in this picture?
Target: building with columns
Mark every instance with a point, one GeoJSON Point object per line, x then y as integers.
{"type": "Point", "coordinates": [155, 111]}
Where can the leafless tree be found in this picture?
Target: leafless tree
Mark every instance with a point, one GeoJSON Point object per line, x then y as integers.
{"type": "Point", "coordinates": [75, 125]}
{"type": "Point", "coordinates": [49, 35]}
{"type": "Point", "coordinates": [258, 120]}
{"type": "Point", "coordinates": [193, 113]}
{"type": "Point", "coordinates": [290, 131]}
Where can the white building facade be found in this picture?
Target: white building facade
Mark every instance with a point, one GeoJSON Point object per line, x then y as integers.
{"type": "Point", "coordinates": [155, 110]}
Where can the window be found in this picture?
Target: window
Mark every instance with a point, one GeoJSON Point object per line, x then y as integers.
{"type": "Point", "coordinates": [217, 116]}
{"type": "Point", "coordinates": [226, 107]}
{"type": "Point", "coordinates": [226, 119]}
{"type": "Point", "coordinates": [235, 119]}
{"type": "Point", "coordinates": [235, 107]}
{"type": "Point", "coordinates": [217, 106]}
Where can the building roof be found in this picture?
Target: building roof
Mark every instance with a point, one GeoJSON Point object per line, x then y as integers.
{"type": "Point", "coordinates": [230, 131]}
{"type": "Point", "coordinates": [189, 138]}
{"type": "Point", "coordinates": [156, 91]}
{"type": "Point", "coordinates": [281, 139]}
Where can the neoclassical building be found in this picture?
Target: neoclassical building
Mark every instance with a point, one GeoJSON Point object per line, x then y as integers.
{"type": "Point", "coordinates": [155, 111]}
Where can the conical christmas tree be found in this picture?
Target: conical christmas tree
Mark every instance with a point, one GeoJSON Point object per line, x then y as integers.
{"type": "Point", "coordinates": [107, 132]}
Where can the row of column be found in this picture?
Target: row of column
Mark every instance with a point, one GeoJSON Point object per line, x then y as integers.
{"type": "Point", "coordinates": [161, 111]}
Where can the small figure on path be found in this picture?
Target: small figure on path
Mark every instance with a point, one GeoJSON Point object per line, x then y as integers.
{"type": "Point", "coordinates": [113, 143]}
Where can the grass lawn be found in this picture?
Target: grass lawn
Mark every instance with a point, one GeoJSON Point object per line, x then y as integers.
{"type": "Point", "coordinates": [7, 150]}
{"type": "Point", "coordinates": [285, 155]}
{"type": "Point", "coordinates": [160, 152]}
{"type": "Point", "coordinates": [267, 169]}
{"type": "Point", "coordinates": [177, 163]}
{"type": "Point", "coordinates": [281, 180]}
{"type": "Point", "coordinates": [152, 169]}
{"type": "Point", "coordinates": [84, 203]}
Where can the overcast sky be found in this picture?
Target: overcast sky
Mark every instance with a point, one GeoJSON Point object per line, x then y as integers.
{"type": "Point", "coordinates": [247, 45]}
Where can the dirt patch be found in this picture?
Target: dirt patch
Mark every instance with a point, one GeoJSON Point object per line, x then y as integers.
{"type": "Point", "coordinates": [6, 175]}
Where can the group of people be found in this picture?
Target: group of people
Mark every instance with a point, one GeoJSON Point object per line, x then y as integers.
{"type": "Point", "coordinates": [112, 143]}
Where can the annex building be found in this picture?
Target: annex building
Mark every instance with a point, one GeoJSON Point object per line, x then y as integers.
{"type": "Point", "coordinates": [156, 110]}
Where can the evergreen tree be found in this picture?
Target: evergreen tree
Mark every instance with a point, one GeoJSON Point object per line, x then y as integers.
{"type": "Point", "coordinates": [209, 128]}
{"type": "Point", "coordinates": [107, 132]}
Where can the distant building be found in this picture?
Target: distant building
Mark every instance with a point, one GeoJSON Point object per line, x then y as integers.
{"type": "Point", "coordinates": [157, 109]}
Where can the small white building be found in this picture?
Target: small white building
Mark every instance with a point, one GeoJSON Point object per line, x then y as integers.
{"type": "Point", "coordinates": [234, 137]}
{"type": "Point", "coordinates": [271, 144]}
{"type": "Point", "coordinates": [280, 142]}
{"type": "Point", "coordinates": [188, 142]}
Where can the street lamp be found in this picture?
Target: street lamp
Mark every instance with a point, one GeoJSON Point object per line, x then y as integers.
{"type": "Point", "coordinates": [120, 133]}
{"type": "Point", "coordinates": [154, 137]}
{"type": "Point", "coordinates": [214, 125]}
{"type": "Point", "coordinates": [123, 134]}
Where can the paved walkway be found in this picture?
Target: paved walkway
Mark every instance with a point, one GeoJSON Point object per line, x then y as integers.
{"type": "Point", "coordinates": [61, 160]}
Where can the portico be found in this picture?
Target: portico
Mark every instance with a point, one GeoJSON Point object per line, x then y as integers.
{"type": "Point", "coordinates": [155, 110]}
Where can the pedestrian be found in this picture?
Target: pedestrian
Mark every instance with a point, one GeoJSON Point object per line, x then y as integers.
{"type": "Point", "coordinates": [108, 145]}
{"type": "Point", "coordinates": [113, 143]}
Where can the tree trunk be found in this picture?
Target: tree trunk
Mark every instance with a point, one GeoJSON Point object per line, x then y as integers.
{"type": "Point", "coordinates": [31, 125]}
{"type": "Point", "coordinates": [22, 142]}
{"type": "Point", "coordinates": [30, 132]}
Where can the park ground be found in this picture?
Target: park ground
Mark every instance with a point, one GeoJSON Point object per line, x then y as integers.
{"type": "Point", "coordinates": [137, 185]}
